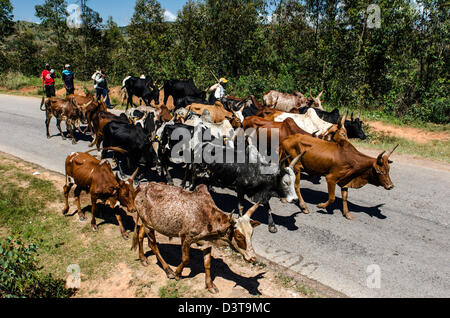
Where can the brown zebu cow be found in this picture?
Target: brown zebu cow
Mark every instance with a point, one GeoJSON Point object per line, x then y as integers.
{"type": "Point", "coordinates": [287, 102]}
{"type": "Point", "coordinates": [88, 112]}
{"type": "Point", "coordinates": [195, 218]}
{"type": "Point", "coordinates": [97, 178]}
{"type": "Point", "coordinates": [341, 164]}
{"type": "Point", "coordinates": [64, 110]}
{"type": "Point", "coordinates": [288, 127]}
{"type": "Point", "coordinates": [218, 112]}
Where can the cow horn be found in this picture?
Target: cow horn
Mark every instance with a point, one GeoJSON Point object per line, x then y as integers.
{"type": "Point", "coordinates": [296, 160]}
{"type": "Point", "coordinates": [380, 157]}
{"type": "Point", "coordinates": [344, 119]}
{"type": "Point", "coordinates": [320, 95]}
{"type": "Point", "coordinates": [282, 161]}
{"type": "Point", "coordinates": [252, 210]}
{"type": "Point", "coordinates": [134, 174]}
{"type": "Point", "coordinates": [392, 151]}
{"type": "Point", "coordinates": [86, 105]}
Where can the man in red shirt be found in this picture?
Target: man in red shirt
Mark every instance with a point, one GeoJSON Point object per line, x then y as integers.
{"type": "Point", "coordinates": [48, 81]}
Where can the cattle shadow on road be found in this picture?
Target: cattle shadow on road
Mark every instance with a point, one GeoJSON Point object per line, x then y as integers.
{"type": "Point", "coordinates": [316, 197]}
{"type": "Point", "coordinates": [171, 253]}
{"type": "Point", "coordinates": [107, 215]}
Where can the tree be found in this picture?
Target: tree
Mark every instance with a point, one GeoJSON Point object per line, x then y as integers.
{"type": "Point", "coordinates": [6, 19]}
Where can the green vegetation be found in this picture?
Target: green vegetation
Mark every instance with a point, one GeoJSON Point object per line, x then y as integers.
{"type": "Point", "coordinates": [289, 282]}
{"type": "Point", "coordinates": [399, 70]}
{"type": "Point", "coordinates": [173, 289]}
{"type": "Point", "coordinates": [20, 275]}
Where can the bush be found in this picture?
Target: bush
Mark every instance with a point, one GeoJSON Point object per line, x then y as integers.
{"type": "Point", "coordinates": [20, 276]}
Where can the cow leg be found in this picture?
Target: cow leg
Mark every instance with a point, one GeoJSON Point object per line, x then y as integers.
{"type": "Point", "coordinates": [119, 220]}
{"type": "Point", "coordinates": [58, 125]}
{"type": "Point", "coordinates": [303, 205]}
{"type": "Point", "coordinates": [185, 249]}
{"type": "Point", "coordinates": [207, 263]}
{"type": "Point", "coordinates": [141, 236]}
{"type": "Point", "coordinates": [77, 194]}
{"type": "Point", "coordinates": [331, 195]}
{"type": "Point", "coordinates": [187, 170]}
{"type": "Point", "coordinates": [94, 208]}
{"type": "Point", "coordinates": [240, 204]}
{"type": "Point", "coordinates": [271, 223]}
{"type": "Point", "coordinates": [47, 124]}
{"type": "Point", "coordinates": [154, 246]}
{"type": "Point", "coordinates": [345, 210]}
{"type": "Point", "coordinates": [71, 130]}
{"type": "Point", "coordinates": [67, 189]}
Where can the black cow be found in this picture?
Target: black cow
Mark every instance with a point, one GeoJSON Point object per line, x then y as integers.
{"type": "Point", "coordinates": [179, 89]}
{"type": "Point", "coordinates": [142, 88]}
{"type": "Point", "coordinates": [135, 140]}
{"type": "Point", "coordinates": [189, 100]}
{"type": "Point", "coordinates": [256, 179]}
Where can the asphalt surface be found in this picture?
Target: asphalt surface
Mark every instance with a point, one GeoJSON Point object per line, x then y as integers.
{"type": "Point", "coordinates": [403, 233]}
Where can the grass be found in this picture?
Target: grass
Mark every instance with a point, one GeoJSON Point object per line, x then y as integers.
{"type": "Point", "coordinates": [436, 150]}
{"type": "Point", "coordinates": [289, 282]}
{"type": "Point", "coordinates": [173, 289]}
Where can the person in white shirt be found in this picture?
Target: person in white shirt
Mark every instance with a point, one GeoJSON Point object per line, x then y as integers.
{"type": "Point", "coordinates": [219, 91]}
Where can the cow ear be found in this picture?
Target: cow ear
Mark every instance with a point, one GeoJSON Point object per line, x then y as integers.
{"type": "Point", "coordinates": [255, 223]}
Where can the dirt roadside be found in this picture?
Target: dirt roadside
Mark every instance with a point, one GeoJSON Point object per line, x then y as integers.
{"type": "Point", "coordinates": [124, 276]}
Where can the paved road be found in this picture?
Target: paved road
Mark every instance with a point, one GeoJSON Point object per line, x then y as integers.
{"type": "Point", "coordinates": [404, 232]}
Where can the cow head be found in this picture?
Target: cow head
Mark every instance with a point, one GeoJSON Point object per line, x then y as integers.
{"type": "Point", "coordinates": [287, 183]}
{"type": "Point", "coordinates": [315, 101]}
{"type": "Point", "coordinates": [242, 232]}
{"type": "Point", "coordinates": [381, 170]}
{"type": "Point", "coordinates": [337, 133]}
{"type": "Point", "coordinates": [127, 193]}
{"type": "Point", "coordinates": [354, 128]}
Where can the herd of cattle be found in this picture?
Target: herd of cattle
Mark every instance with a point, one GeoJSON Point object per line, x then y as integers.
{"type": "Point", "coordinates": [141, 141]}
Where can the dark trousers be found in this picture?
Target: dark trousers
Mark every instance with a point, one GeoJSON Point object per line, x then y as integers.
{"type": "Point", "coordinates": [104, 93]}
{"type": "Point", "coordinates": [50, 90]}
{"type": "Point", "coordinates": [70, 91]}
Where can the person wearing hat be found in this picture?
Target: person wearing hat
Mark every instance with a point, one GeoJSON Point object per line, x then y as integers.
{"type": "Point", "coordinates": [48, 81]}
{"type": "Point", "coordinates": [219, 91]}
{"type": "Point", "coordinates": [68, 77]}
{"type": "Point", "coordinates": [101, 86]}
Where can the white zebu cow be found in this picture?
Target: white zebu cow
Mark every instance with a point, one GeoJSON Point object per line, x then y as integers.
{"type": "Point", "coordinates": [309, 122]}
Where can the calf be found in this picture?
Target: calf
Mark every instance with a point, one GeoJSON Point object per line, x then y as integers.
{"type": "Point", "coordinates": [99, 120]}
{"type": "Point", "coordinates": [195, 218]}
{"type": "Point", "coordinates": [97, 178]}
{"type": "Point", "coordinates": [341, 164]}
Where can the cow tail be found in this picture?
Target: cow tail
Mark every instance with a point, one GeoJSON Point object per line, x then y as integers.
{"type": "Point", "coordinates": [43, 103]}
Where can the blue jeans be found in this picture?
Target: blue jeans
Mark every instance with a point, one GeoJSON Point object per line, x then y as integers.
{"type": "Point", "coordinates": [104, 93]}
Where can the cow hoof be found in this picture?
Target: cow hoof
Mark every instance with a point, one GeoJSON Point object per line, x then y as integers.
{"type": "Point", "coordinates": [305, 210]}
{"type": "Point", "coordinates": [171, 275]}
{"type": "Point", "coordinates": [273, 229]}
{"type": "Point", "coordinates": [94, 228]}
{"type": "Point", "coordinates": [349, 216]}
{"type": "Point", "coordinates": [48, 137]}
{"type": "Point", "coordinates": [125, 236]}
{"type": "Point", "coordinates": [144, 263]}
{"type": "Point", "coordinates": [322, 206]}
{"type": "Point", "coordinates": [82, 218]}
{"type": "Point", "coordinates": [65, 211]}
{"type": "Point", "coordinates": [213, 290]}
{"type": "Point", "coordinates": [74, 142]}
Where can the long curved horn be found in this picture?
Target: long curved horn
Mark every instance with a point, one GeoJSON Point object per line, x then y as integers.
{"type": "Point", "coordinates": [392, 151]}
{"type": "Point", "coordinates": [86, 105]}
{"type": "Point", "coordinates": [282, 161]}
{"type": "Point", "coordinates": [134, 174]}
{"type": "Point", "coordinates": [252, 210]}
{"type": "Point", "coordinates": [296, 160]}
{"type": "Point", "coordinates": [320, 95]}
